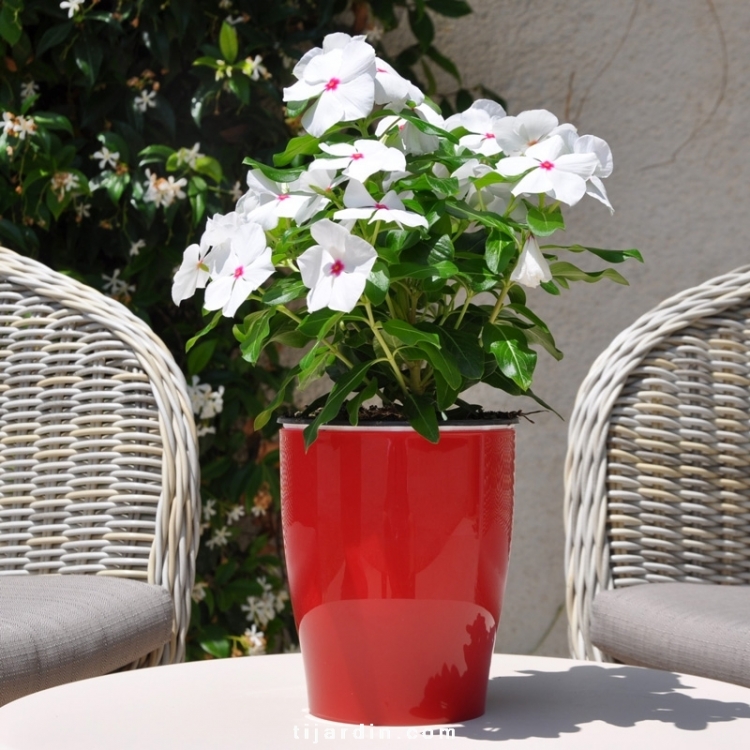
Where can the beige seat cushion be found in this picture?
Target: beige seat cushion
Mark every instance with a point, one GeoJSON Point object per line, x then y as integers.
{"type": "Point", "coordinates": [699, 629]}
{"type": "Point", "coordinates": [56, 629]}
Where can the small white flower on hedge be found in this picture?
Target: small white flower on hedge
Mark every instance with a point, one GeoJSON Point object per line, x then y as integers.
{"type": "Point", "coordinates": [219, 539]}
{"type": "Point", "coordinates": [189, 156]}
{"type": "Point", "coordinates": [389, 209]}
{"type": "Point", "coordinates": [145, 100]}
{"type": "Point", "coordinates": [209, 510]}
{"type": "Point", "coordinates": [72, 6]}
{"type": "Point", "coordinates": [29, 89]}
{"type": "Point", "coordinates": [136, 247]}
{"type": "Point", "coordinates": [235, 514]}
{"type": "Point", "coordinates": [163, 191]}
{"type": "Point", "coordinates": [115, 285]}
{"type": "Point", "coordinates": [256, 641]}
{"type": "Point", "coordinates": [106, 157]}
{"type": "Point", "coordinates": [336, 269]}
{"type": "Point", "coordinates": [361, 159]}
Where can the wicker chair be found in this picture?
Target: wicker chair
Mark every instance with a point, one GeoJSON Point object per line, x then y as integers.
{"type": "Point", "coordinates": [98, 469]}
{"type": "Point", "coordinates": [657, 489]}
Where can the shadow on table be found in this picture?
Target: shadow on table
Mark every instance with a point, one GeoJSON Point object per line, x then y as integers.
{"type": "Point", "coordinates": [549, 704]}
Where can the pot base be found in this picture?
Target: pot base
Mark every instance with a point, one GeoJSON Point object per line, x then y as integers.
{"type": "Point", "coordinates": [397, 661]}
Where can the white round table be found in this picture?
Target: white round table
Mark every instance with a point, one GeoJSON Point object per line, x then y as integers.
{"type": "Point", "coordinates": [260, 702]}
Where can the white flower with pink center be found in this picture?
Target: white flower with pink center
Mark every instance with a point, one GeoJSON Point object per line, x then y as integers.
{"type": "Point", "coordinates": [532, 267]}
{"type": "Point", "coordinates": [336, 269]}
{"type": "Point", "coordinates": [482, 120]}
{"type": "Point", "coordinates": [269, 201]}
{"type": "Point", "coordinates": [590, 144]}
{"type": "Point", "coordinates": [516, 134]}
{"type": "Point", "coordinates": [317, 184]}
{"type": "Point", "coordinates": [495, 197]}
{"type": "Point", "coordinates": [547, 169]}
{"type": "Point", "coordinates": [342, 81]}
{"type": "Point", "coordinates": [361, 159]}
{"type": "Point", "coordinates": [389, 209]}
{"type": "Point", "coordinates": [247, 267]}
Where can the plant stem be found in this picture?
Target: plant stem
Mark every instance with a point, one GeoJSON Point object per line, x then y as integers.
{"type": "Point", "coordinates": [464, 308]}
{"type": "Point", "coordinates": [499, 303]}
{"type": "Point", "coordinates": [386, 350]}
{"type": "Point", "coordinates": [326, 342]}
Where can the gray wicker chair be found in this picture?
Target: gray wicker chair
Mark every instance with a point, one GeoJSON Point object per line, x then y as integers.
{"type": "Point", "coordinates": [99, 485]}
{"type": "Point", "coordinates": [657, 490]}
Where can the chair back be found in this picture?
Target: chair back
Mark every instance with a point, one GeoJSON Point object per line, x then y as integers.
{"type": "Point", "coordinates": [98, 457]}
{"type": "Point", "coordinates": [657, 475]}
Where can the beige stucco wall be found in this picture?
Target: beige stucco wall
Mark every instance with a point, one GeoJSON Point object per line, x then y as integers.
{"type": "Point", "coordinates": [666, 83]}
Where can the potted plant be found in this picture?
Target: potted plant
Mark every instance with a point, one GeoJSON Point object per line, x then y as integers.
{"type": "Point", "coordinates": [395, 248]}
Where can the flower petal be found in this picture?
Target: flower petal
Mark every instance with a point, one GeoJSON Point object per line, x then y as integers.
{"type": "Point", "coordinates": [566, 186]}
{"type": "Point", "coordinates": [512, 166]}
{"type": "Point", "coordinates": [329, 235]}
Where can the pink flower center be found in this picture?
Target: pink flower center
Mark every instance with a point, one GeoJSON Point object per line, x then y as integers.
{"type": "Point", "coordinates": [239, 272]}
{"type": "Point", "coordinates": [547, 165]}
{"type": "Point", "coordinates": [337, 268]}
{"type": "Point", "coordinates": [381, 205]}
{"type": "Point", "coordinates": [357, 156]}
{"type": "Point", "coordinates": [333, 84]}
{"type": "Point", "coordinates": [489, 135]}
{"type": "Point", "coordinates": [381, 70]}
{"type": "Point", "coordinates": [283, 196]}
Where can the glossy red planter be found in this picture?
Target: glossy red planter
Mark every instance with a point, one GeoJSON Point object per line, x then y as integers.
{"type": "Point", "coordinates": [397, 551]}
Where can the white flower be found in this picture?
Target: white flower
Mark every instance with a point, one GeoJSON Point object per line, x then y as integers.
{"type": "Point", "coordinates": [590, 144]}
{"type": "Point", "coordinates": [235, 514]}
{"type": "Point", "coordinates": [532, 267]}
{"type": "Point", "coordinates": [493, 198]}
{"type": "Point", "coordinates": [549, 170]}
{"type": "Point", "coordinates": [199, 591]}
{"type": "Point", "coordinates": [136, 247]}
{"type": "Point", "coordinates": [256, 641]}
{"type": "Point", "coordinates": [361, 205]}
{"type": "Point", "coordinates": [254, 68]}
{"type": "Point", "coordinates": [25, 126]}
{"type": "Point", "coordinates": [482, 120]}
{"type": "Point", "coordinates": [29, 89]}
{"type": "Point", "coordinates": [83, 210]}
{"type": "Point", "coordinates": [361, 159]}
{"type": "Point", "coordinates": [163, 191]}
{"type": "Point", "coordinates": [73, 6]}
{"type": "Point", "coordinates": [192, 274]}
{"type": "Point", "coordinates": [247, 267]}
{"type": "Point", "coordinates": [258, 510]}
{"type": "Point", "coordinates": [189, 156]}
{"type": "Point", "coordinates": [515, 134]}
{"type": "Point", "coordinates": [336, 269]}
{"type": "Point", "coordinates": [63, 182]}
{"type": "Point", "coordinates": [236, 191]}
{"type": "Point", "coordinates": [266, 201]}
{"type": "Point", "coordinates": [144, 100]}
{"type": "Point", "coordinates": [115, 285]}
{"type": "Point", "coordinates": [9, 123]}
{"type": "Point", "coordinates": [204, 429]}
{"type": "Point", "coordinates": [392, 89]}
{"type": "Point", "coordinates": [312, 183]}
{"type": "Point", "coordinates": [219, 539]}
{"type": "Point", "coordinates": [106, 157]}
{"type": "Point", "coordinates": [225, 4]}
{"type": "Point", "coordinates": [209, 509]}
{"type": "Point", "coordinates": [342, 79]}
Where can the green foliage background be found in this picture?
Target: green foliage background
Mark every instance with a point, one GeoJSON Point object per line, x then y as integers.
{"type": "Point", "coordinates": [74, 74]}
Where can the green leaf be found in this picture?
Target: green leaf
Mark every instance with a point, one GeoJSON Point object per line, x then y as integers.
{"type": "Point", "coordinates": [353, 404]}
{"type": "Point", "coordinates": [253, 332]}
{"type": "Point", "coordinates": [611, 256]}
{"type": "Point", "coordinates": [550, 287]}
{"type": "Point", "coordinates": [420, 411]}
{"type": "Point", "coordinates": [442, 250]}
{"type": "Point", "coordinates": [209, 62]}
{"type": "Point", "coordinates": [210, 167]}
{"type": "Point", "coordinates": [53, 121]}
{"type": "Point", "coordinates": [88, 56]}
{"type": "Point", "coordinates": [378, 283]}
{"type": "Point", "coordinates": [427, 182]}
{"type": "Point", "coordinates": [491, 178]}
{"type": "Point", "coordinates": [486, 218]}
{"type": "Point", "coordinates": [443, 362]}
{"type": "Point", "coordinates": [545, 223]}
{"type": "Point", "coordinates": [153, 154]}
{"type": "Point", "coordinates": [450, 8]}
{"type": "Point", "coordinates": [562, 271]}
{"type": "Point", "coordinates": [444, 62]}
{"type": "Point", "coordinates": [228, 42]}
{"type": "Point", "coordinates": [240, 87]}
{"type": "Point", "coordinates": [302, 145]}
{"type": "Point", "coordinates": [408, 334]}
{"type": "Point", "coordinates": [200, 356]}
{"type": "Point", "coordinates": [53, 36]}
{"type": "Point", "coordinates": [466, 351]}
{"type": "Point", "coordinates": [277, 175]}
{"type": "Point", "coordinates": [446, 396]}
{"type": "Point", "coordinates": [341, 389]}
{"type": "Point", "coordinates": [512, 353]}
{"type": "Point", "coordinates": [295, 109]}
{"type": "Point", "coordinates": [283, 291]}
{"type": "Point", "coordinates": [499, 251]}
{"type": "Point", "coordinates": [442, 270]}
{"type": "Point", "coordinates": [10, 21]}
{"type": "Point", "coordinates": [212, 324]}
{"type": "Point", "coordinates": [540, 333]}
{"type": "Point", "coordinates": [12, 234]}
{"type": "Point", "coordinates": [115, 185]}
{"type": "Point", "coordinates": [422, 28]}
{"type": "Point", "coordinates": [214, 640]}
{"type": "Point", "coordinates": [317, 324]}
{"type": "Point", "coordinates": [313, 365]}
{"type": "Point", "coordinates": [261, 420]}
{"type": "Point", "coordinates": [426, 127]}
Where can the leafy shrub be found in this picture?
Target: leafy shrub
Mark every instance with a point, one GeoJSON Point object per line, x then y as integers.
{"type": "Point", "coordinates": [124, 126]}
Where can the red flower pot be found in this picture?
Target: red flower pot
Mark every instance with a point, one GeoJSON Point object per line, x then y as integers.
{"type": "Point", "coordinates": [397, 551]}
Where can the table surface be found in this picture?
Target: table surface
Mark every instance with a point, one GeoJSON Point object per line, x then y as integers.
{"type": "Point", "coordinates": [260, 702]}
